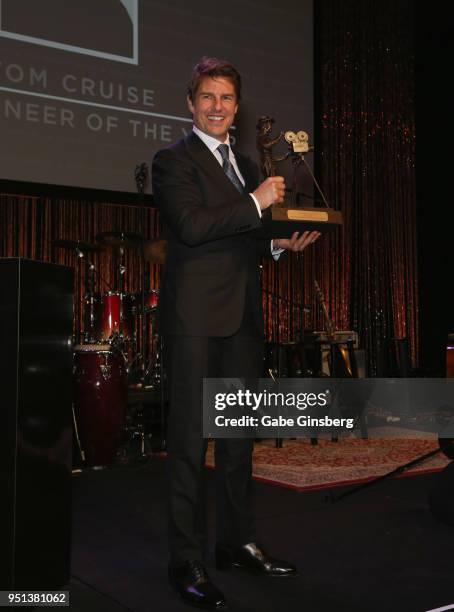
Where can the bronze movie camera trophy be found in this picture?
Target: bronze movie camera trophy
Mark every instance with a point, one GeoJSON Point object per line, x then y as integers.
{"type": "Point", "coordinates": [287, 218]}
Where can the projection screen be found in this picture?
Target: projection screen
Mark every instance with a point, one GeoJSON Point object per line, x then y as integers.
{"type": "Point", "coordinates": [91, 88]}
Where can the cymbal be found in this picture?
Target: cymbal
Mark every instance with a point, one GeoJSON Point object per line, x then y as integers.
{"type": "Point", "coordinates": [73, 245]}
{"type": "Point", "coordinates": [155, 251]}
{"type": "Point", "coordinates": [127, 240]}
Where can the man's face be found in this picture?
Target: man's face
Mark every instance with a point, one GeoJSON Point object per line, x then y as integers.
{"type": "Point", "coordinates": [214, 106]}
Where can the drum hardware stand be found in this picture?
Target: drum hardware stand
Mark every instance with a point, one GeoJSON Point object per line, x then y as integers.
{"type": "Point", "coordinates": [149, 367]}
{"type": "Point", "coordinates": [152, 378]}
{"type": "Point", "coordinates": [162, 398]}
{"type": "Point", "coordinates": [89, 325]}
{"type": "Point", "coordinates": [76, 431]}
{"type": "Point", "coordinates": [137, 369]}
{"type": "Point", "coordinates": [141, 179]}
{"type": "Point", "coordinates": [120, 256]}
{"type": "Point", "coordinates": [135, 432]}
{"type": "Point", "coordinates": [80, 249]}
{"type": "Point", "coordinates": [145, 371]}
{"type": "Point", "coordinates": [121, 274]}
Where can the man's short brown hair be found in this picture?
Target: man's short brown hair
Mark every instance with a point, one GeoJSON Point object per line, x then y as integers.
{"type": "Point", "coordinates": [213, 67]}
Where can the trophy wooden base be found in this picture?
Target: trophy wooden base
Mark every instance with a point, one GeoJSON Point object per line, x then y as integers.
{"type": "Point", "coordinates": [282, 222]}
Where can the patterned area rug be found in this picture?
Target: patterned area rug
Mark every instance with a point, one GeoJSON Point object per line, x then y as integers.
{"type": "Point", "coordinates": [301, 466]}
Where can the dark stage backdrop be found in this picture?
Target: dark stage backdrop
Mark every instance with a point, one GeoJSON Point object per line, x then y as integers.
{"type": "Point", "coordinates": [366, 141]}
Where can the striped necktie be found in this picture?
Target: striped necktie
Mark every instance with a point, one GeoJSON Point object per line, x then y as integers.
{"type": "Point", "coordinates": [228, 167]}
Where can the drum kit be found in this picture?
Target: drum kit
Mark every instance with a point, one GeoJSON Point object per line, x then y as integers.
{"type": "Point", "coordinates": [107, 359]}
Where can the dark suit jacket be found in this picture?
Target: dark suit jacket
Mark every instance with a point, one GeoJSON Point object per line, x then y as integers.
{"type": "Point", "coordinates": [212, 254]}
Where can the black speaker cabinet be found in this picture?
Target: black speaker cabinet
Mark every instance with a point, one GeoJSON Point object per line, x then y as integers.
{"type": "Point", "coordinates": [36, 311]}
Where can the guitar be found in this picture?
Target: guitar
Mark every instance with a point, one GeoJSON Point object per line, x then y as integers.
{"type": "Point", "coordinates": [342, 363]}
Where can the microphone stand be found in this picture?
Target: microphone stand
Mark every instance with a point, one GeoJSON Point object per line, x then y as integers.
{"type": "Point", "coordinates": [141, 177]}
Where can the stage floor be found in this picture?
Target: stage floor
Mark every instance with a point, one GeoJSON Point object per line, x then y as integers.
{"type": "Point", "coordinates": [378, 550]}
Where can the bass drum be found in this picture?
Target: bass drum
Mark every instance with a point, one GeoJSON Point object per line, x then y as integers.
{"type": "Point", "coordinates": [99, 378]}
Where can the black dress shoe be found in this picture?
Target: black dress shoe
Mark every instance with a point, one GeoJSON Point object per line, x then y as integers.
{"type": "Point", "coordinates": [194, 586]}
{"type": "Point", "coordinates": [252, 558]}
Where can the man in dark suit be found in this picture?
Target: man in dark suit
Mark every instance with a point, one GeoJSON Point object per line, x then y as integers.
{"type": "Point", "coordinates": [210, 312]}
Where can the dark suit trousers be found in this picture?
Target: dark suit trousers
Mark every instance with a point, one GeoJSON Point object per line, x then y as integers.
{"type": "Point", "coordinates": [189, 360]}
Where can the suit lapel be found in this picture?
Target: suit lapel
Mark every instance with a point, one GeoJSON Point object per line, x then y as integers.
{"type": "Point", "coordinates": [205, 158]}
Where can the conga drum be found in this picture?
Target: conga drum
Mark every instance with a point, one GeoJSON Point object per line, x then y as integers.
{"type": "Point", "coordinates": [99, 378]}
